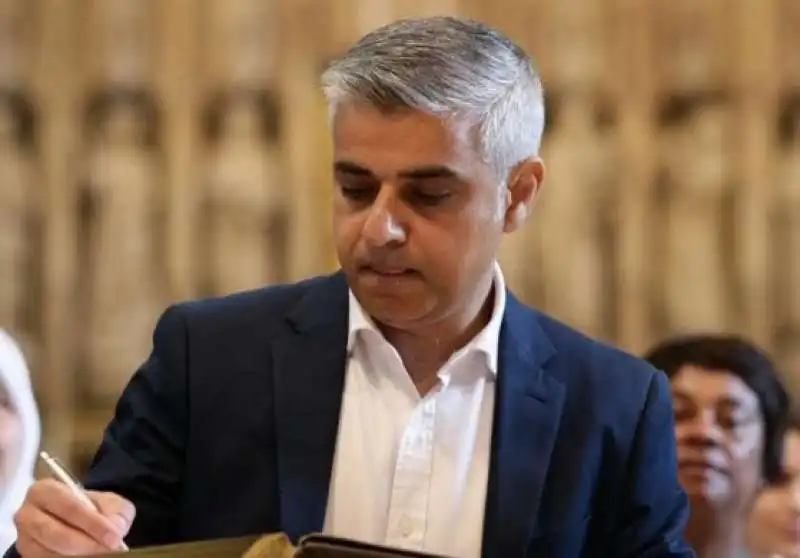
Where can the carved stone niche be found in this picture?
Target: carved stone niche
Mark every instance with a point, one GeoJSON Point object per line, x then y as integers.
{"type": "Point", "coordinates": [787, 354]}
{"type": "Point", "coordinates": [265, 105]}
{"type": "Point", "coordinates": [696, 195]}
{"type": "Point", "coordinates": [785, 216]}
{"type": "Point", "coordinates": [788, 125]}
{"type": "Point", "coordinates": [104, 106]}
{"type": "Point", "coordinates": [244, 207]}
{"type": "Point", "coordinates": [575, 274]}
{"type": "Point", "coordinates": [603, 115]}
{"type": "Point", "coordinates": [121, 272]}
{"type": "Point", "coordinates": [21, 233]}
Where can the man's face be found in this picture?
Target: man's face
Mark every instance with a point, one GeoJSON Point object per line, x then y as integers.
{"type": "Point", "coordinates": [720, 436]}
{"type": "Point", "coordinates": [417, 214]}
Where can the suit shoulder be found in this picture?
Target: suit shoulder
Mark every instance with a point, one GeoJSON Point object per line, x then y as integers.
{"type": "Point", "coordinates": [594, 361]}
{"type": "Point", "coordinates": [607, 388]}
{"type": "Point", "coordinates": [264, 304]}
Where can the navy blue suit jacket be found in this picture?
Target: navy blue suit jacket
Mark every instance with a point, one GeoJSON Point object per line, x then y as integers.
{"type": "Point", "coordinates": [229, 428]}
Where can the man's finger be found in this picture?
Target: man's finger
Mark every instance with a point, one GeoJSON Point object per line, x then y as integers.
{"type": "Point", "coordinates": [116, 508]}
{"type": "Point", "coordinates": [54, 536]}
{"type": "Point", "coordinates": [29, 548]}
{"type": "Point", "coordinates": [56, 500]}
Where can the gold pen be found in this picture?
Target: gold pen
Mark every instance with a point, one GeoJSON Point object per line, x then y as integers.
{"type": "Point", "coordinates": [72, 483]}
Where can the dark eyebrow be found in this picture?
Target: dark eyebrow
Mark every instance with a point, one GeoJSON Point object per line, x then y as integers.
{"type": "Point", "coordinates": [432, 171]}
{"type": "Point", "coordinates": [351, 168]}
{"type": "Point", "coordinates": [425, 172]}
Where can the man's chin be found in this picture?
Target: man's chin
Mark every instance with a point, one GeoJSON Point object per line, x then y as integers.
{"type": "Point", "coordinates": [392, 285]}
{"type": "Point", "coordinates": [393, 315]}
{"type": "Point", "coordinates": [395, 312]}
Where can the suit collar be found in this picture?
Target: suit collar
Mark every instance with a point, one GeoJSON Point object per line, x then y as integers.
{"type": "Point", "coordinates": [324, 304]}
{"type": "Point", "coordinates": [528, 403]}
{"type": "Point", "coordinates": [522, 336]}
{"type": "Point", "coordinates": [308, 373]}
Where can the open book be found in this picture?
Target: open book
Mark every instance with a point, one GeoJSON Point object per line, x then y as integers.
{"type": "Point", "coordinates": [271, 546]}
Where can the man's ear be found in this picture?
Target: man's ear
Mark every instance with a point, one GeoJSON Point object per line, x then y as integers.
{"type": "Point", "coordinates": [525, 181]}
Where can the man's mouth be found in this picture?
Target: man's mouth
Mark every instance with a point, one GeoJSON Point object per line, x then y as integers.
{"type": "Point", "coordinates": [388, 272]}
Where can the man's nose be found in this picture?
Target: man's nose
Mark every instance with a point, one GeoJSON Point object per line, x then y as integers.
{"type": "Point", "coordinates": [383, 225]}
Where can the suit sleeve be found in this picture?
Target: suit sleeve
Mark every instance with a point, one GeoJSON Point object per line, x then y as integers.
{"type": "Point", "coordinates": [655, 508]}
{"type": "Point", "coordinates": [141, 455]}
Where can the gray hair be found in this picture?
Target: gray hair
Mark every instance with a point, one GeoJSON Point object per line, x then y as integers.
{"type": "Point", "coordinates": [451, 68]}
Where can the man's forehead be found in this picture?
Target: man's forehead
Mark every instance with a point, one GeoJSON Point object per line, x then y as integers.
{"type": "Point", "coordinates": [353, 120]}
{"type": "Point", "coordinates": [402, 140]}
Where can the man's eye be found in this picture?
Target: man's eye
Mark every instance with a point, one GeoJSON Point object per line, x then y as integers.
{"type": "Point", "coordinates": [430, 199]}
{"type": "Point", "coordinates": [357, 194]}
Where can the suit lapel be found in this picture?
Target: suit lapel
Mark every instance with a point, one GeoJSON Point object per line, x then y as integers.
{"type": "Point", "coordinates": [308, 373]}
{"type": "Point", "coordinates": [313, 352]}
{"type": "Point", "coordinates": [527, 412]}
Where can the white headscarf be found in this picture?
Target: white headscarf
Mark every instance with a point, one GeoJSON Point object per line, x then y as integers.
{"type": "Point", "coordinates": [16, 378]}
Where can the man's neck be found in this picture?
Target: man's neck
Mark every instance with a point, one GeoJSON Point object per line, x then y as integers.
{"type": "Point", "coordinates": [426, 349]}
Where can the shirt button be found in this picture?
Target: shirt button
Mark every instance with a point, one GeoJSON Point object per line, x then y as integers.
{"type": "Point", "coordinates": [406, 526]}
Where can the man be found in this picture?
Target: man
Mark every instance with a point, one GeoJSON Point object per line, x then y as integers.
{"type": "Point", "coordinates": [408, 399]}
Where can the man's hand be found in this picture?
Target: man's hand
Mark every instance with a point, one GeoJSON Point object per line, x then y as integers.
{"type": "Point", "coordinates": [51, 521]}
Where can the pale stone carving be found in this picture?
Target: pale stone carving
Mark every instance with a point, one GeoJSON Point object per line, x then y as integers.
{"type": "Point", "coordinates": [124, 276]}
{"type": "Point", "coordinates": [246, 202]}
{"type": "Point", "coordinates": [244, 38]}
{"type": "Point", "coordinates": [122, 40]}
{"type": "Point", "coordinates": [788, 18]}
{"type": "Point", "coordinates": [579, 47]}
{"type": "Point", "coordinates": [699, 180]}
{"type": "Point", "coordinates": [576, 197]}
{"type": "Point", "coordinates": [689, 35]}
{"type": "Point", "coordinates": [15, 41]}
{"type": "Point", "coordinates": [19, 207]}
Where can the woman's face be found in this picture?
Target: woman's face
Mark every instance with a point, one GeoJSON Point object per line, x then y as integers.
{"type": "Point", "coordinates": [719, 430]}
{"type": "Point", "coordinates": [774, 524]}
{"type": "Point", "coordinates": [10, 438]}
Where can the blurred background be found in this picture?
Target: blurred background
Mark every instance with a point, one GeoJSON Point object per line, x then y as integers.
{"type": "Point", "coordinates": [157, 150]}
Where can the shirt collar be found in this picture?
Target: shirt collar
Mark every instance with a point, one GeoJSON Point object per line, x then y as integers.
{"type": "Point", "coordinates": [487, 340]}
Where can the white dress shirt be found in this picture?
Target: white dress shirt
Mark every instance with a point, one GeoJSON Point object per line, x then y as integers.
{"type": "Point", "coordinates": [412, 471]}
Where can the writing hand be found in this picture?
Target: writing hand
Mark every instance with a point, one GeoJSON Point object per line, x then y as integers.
{"type": "Point", "coordinates": [52, 521]}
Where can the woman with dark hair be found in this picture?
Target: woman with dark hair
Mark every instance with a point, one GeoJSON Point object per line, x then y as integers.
{"type": "Point", "coordinates": [774, 528]}
{"type": "Point", "coordinates": [731, 412]}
